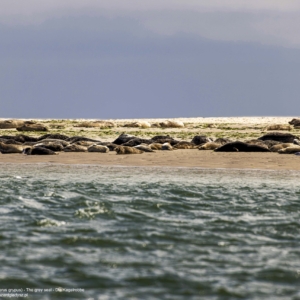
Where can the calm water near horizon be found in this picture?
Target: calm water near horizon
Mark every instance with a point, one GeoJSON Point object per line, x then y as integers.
{"type": "Point", "coordinates": [149, 233]}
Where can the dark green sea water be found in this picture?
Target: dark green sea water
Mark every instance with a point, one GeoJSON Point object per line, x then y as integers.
{"type": "Point", "coordinates": [149, 233]}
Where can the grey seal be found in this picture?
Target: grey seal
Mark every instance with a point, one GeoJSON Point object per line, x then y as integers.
{"type": "Point", "coordinates": [241, 147]}
{"type": "Point", "coordinates": [184, 145]}
{"type": "Point", "coordinates": [289, 150]}
{"type": "Point", "coordinates": [144, 148]}
{"type": "Point", "coordinates": [128, 150]}
{"type": "Point", "coordinates": [279, 136]}
{"type": "Point", "coordinates": [75, 148]}
{"type": "Point", "coordinates": [200, 140]}
{"type": "Point", "coordinates": [166, 146]}
{"type": "Point", "coordinates": [38, 151]}
{"type": "Point", "coordinates": [10, 148]}
{"type": "Point", "coordinates": [98, 148]}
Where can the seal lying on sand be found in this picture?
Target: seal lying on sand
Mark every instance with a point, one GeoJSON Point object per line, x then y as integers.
{"type": "Point", "coordinates": [140, 124]}
{"type": "Point", "coordinates": [159, 137]}
{"type": "Point", "coordinates": [214, 145]}
{"type": "Point", "coordinates": [166, 146]}
{"type": "Point", "coordinates": [223, 141]}
{"type": "Point", "coordinates": [295, 122]}
{"type": "Point", "coordinates": [144, 147]}
{"type": "Point", "coordinates": [51, 146]}
{"type": "Point", "coordinates": [109, 145]}
{"type": "Point", "coordinates": [137, 141]}
{"type": "Point", "coordinates": [98, 148]}
{"type": "Point", "coordinates": [9, 124]}
{"type": "Point", "coordinates": [128, 150]}
{"type": "Point", "coordinates": [172, 142]}
{"type": "Point", "coordinates": [155, 146]}
{"type": "Point", "coordinates": [279, 136]}
{"type": "Point", "coordinates": [22, 138]}
{"type": "Point", "coordinates": [84, 143]}
{"type": "Point", "coordinates": [270, 143]}
{"type": "Point", "coordinates": [123, 138]}
{"type": "Point", "coordinates": [28, 126]}
{"type": "Point", "coordinates": [56, 141]}
{"type": "Point", "coordinates": [278, 147]}
{"type": "Point", "coordinates": [279, 127]}
{"type": "Point", "coordinates": [10, 148]}
{"type": "Point", "coordinates": [184, 145]}
{"type": "Point", "coordinates": [74, 139]}
{"type": "Point", "coordinates": [241, 147]}
{"type": "Point", "coordinates": [210, 146]}
{"type": "Point", "coordinates": [75, 148]}
{"type": "Point", "coordinates": [200, 140]}
{"type": "Point", "coordinates": [13, 142]}
{"type": "Point", "coordinates": [171, 124]}
{"type": "Point", "coordinates": [257, 142]}
{"type": "Point", "coordinates": [99, 123]}
{"type": "Point", "coordinates": [54, 136]}
{"type": "Point", "coordinates": [289, 150]}
{"type": "Point", "coordinates": [38, 151]}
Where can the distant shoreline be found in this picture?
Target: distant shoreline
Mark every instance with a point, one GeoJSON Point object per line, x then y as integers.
{"type": "Point", "coordinates": [235, 128]}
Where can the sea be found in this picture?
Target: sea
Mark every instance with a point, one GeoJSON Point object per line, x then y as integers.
{"type": "Point", "coordinates": [110, 232]}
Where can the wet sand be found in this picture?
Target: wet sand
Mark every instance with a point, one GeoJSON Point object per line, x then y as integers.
{"type": "Point", "coordinates": [176, 158]}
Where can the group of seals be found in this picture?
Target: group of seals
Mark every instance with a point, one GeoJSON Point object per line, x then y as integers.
{"type": "Point", "coordinates": [51, 144]}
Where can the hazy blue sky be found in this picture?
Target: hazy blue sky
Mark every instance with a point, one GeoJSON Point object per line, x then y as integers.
{"type": "Point", "coordinates": [133, 59]}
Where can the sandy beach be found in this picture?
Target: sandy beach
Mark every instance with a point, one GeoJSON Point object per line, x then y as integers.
{"type": "Point", "coordinates": [237, 128]}
{"type": "Point", "coordinates": [179, 158]}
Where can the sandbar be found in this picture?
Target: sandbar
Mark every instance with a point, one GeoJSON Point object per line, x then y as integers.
{"type": "Point", "coordinates": [190, 158]}
{"type": "Point", "coordinates": [235, 128]}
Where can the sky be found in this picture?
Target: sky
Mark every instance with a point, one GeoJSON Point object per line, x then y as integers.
{"type": "Point", "coordinates": [149, 59]}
